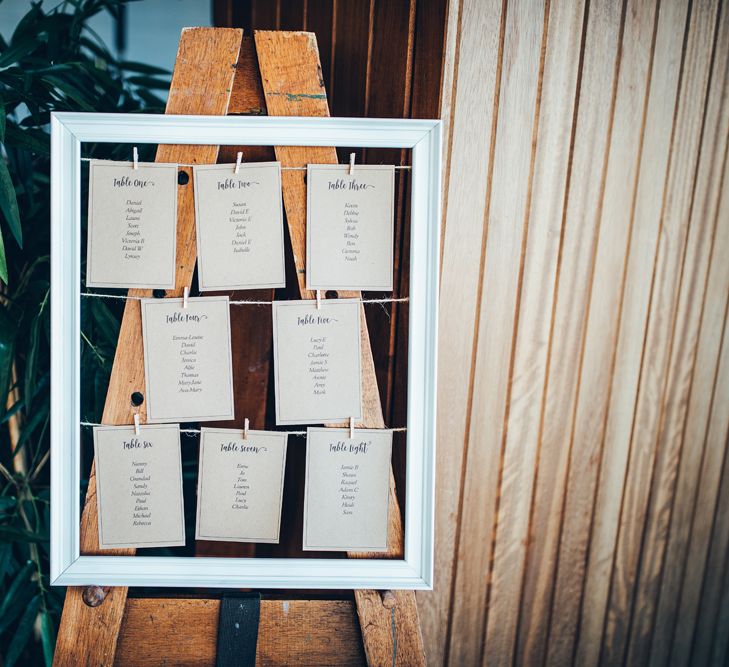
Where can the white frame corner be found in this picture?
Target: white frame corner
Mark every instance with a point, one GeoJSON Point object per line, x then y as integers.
{"type": "Point", "coordinates": [68, 567]}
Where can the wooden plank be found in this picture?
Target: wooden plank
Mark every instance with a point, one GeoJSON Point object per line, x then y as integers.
{"type": "Point", "coordinates": [720, 647]}
{"type": "Point", "coordinates": [292, 15]}
{"type": "Point", "coordinates": [663, 81]}
{"type": "Point", "coordinates": [350, 62]}
{"type": "Point", "coordinates": [320, 19]}
{"type": "Point", "coordinates": [201, 84]}
{"type": "Point", "coordinates": [497, 367]}
{"type": "Point", "coordinates": [289, 64]}
{"type": "Point", "coordinates": [701, 585]}
{"type": "Point", "coordinates": [709, 628]}
{"type": "Point", "coordinates": [595, 99]}
{"type": "Point", "coordinates": [559, 81]}
{"type": "Point", "coordinates": [696, 352]}
{"type": "Point", "coordinates": [670, 251]}
{"type": "Point", "coordinates": [246, 98]}
{"type": "Point", "coordinates": [694, 613]}
{"type": "Point", "coordinates": [474, 90]}
{"type": "Point", "coordinates": [265, 15]}
{"type": "Point", "coordinates": [613, 223]}
{"type": "Point", "coordinates": [183, 632]}
{"type": "Point", "coordinates": [579, 229]}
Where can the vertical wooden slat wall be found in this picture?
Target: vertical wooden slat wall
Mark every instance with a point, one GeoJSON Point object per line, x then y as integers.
{"type": "Point", "coordinates": [583, 475]}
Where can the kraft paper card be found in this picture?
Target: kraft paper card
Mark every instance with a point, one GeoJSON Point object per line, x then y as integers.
{"type": "Point", "coordinates": [316, 354]}
{"type": "Point", "coordinates": [139, 486]}
{"type": "Point", "coordinates": [240, 485]}
{"type": "Point", "coordinates": [239, 217]}
{"type": "Point", "coordinates": [349, 229]}
{"type": "Point", "coordinates": [132, 225]}
{"type": "Point", "coordinates": [347, 489]}
{"type": "Point", "coordinates": [187, 359]}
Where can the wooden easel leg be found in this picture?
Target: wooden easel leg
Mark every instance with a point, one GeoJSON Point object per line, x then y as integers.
{"type": "Point", "coordinates": [201, 84]}
{"type": "Point", "coordinates": [293, 86]}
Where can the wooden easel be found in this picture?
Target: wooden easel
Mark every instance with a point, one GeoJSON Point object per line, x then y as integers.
{"type": "Point", "coordinates": [219, 72]}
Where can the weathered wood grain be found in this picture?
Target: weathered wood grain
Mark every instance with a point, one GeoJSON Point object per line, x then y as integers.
{"type": "Point", "coordinates": [649, 407]}
{"type": "Point", "coordinates": [613, 221]}
{"type": "Point", "coordinates": [704, 608]}
{"type": "Point", "coordinates": [672, 460]}
{"type": "Point", "coordinates": [184, 632]}
{"type": "Point", "coordinates": [290, 71]}
{"type": "Point", "coordinates": [201, 84]}
{"type": "Point", "coordinates": [564, 468]}
{"type": "Point", "coordinates": [462, 577]}
{"type": "Point", "coordinates": [661, 95]}
{"type": "Point", "coordinates": [697, 604]}
{"type": "Point", "coordinates": [352, 50]}
{"type": "Point", "coordinates": [531, 363]}
{"type": "Point", "coordinates": [499, 326]}
{"type": "Point", "coordinates": [719, 647]}
{"type": "Point", "coordinates": [697, 350]}
{"type": "Point", "coordinates": [321, 16]}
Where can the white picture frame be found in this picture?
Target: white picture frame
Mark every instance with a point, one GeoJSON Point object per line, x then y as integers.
{"type": "Point", "coordinates": [68, 566]}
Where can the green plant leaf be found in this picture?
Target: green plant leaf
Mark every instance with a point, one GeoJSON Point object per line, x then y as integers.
{"type": "Point", "coordinates": [15, 608]}
{"type": "Point", "coordinates": [22, 632]}
{"type": "Point", "coordinates": [107, 324]}
{"type": "Point", "coordinates": [25, 24]}
{"type": "Point", "coordinates": [12, 534]}
{"type": "Point", "coordinates": [3, 261]}
{"type": "Point", "coordinates": [19, 581]}
{"type": "Point", "coordinates": [8, 331]}
{"type": "Point", "coordinates": [72, 92]}
{"type": "Point", "coordinates": [7, 504]}
{"type": "Point", "coordinates": [149, 82]}
{"type": "Point", "coordinates": [48, 637]}
{"type": "Point", "coordinates": [29, 139]}
{"type": "Point", "coordinates": [142, 68]}
{"type": "Point", "coordinates": [7, 562]}
{"type": "Point", "coordinates": [18, 405]}
{"type": "Point", "coordinates": [3, 120]}
{"type": "Point", "coordinates": [18, 51]}
{"type": "Point", "coordinates": [37, 418]}
{"type": "Point", "coordinates": [9, 203]}
{"type": "Point", "coordinates": [31, 357]}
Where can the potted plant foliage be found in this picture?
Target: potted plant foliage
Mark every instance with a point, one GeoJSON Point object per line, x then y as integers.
{"type": "Point", "coordinates": [52, 61]}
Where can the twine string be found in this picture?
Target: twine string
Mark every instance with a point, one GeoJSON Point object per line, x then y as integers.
{"type": "Point", "coordinates": [197, 431]}
{"type": "Point", "coordinates": [242, 302]}
{"type": "Point", "coordinates": [181, 164]}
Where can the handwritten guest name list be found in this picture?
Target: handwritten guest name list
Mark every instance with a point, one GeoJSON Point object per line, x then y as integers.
{"type": "Point", "coordinates": [347, 490]}
{"type": "Point", "coordinates": [187, 357]}
{"type": "Point", "coordinates": [131, 225]}
{"type": "Point", "coordinates": [350, 227]}
{"type": "Point", "coordinates": [239, 221]}
{"type": "Point", "coordinates": [240, 485]}
{"type": "Point", "coordinates": [139, 486]}
{"type": "Point", "coordinates": [317, 361]}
